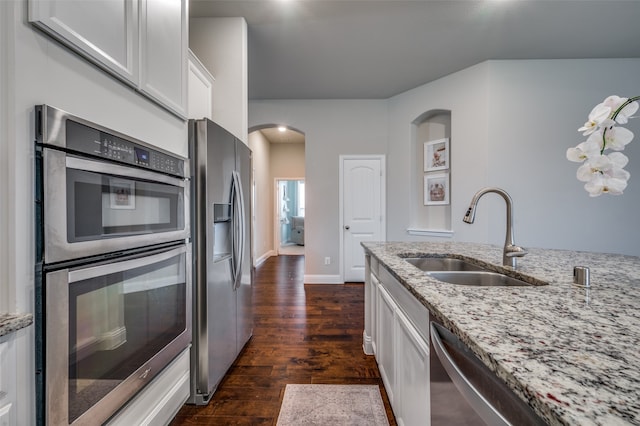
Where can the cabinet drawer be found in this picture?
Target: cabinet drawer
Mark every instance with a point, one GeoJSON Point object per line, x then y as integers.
{"type": "Point", "coordinates": [415, 311]}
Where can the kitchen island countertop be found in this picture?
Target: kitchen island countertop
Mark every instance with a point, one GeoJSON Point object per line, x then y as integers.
{"type": "Point", "coordinates": [572, 352]}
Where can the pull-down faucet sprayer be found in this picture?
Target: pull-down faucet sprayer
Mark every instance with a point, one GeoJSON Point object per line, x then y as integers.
{"type": "Point", "coordinates": [511, 251]}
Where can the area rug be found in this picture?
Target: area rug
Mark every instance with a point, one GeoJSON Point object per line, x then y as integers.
{"type": "Point", "coordinates": [332, 405]}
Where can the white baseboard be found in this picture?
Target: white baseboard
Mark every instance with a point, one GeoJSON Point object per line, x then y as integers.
{"type": "Point", "coordinates": [367, 344]}
{"type": "Point", "coordinates": [323, 279]}
{"type": "Point", "coordinates": [259, 261]}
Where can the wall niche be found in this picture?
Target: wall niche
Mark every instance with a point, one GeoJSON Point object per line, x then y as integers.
{"type": "Point", "coordinates": [431, 175]}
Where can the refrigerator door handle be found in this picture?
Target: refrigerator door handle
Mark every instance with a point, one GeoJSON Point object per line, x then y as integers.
{"type": "Point", "coordinates": [242, 228]}
{"type": "Point", "coordinates": [238, 228]}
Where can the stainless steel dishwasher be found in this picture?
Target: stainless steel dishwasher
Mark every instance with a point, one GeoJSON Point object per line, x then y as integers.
{"type": "Point", "coordinates": [464, 392]}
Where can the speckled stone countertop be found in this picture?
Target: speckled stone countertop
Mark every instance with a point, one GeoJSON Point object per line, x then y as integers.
{"type": "Point", "coordinates": [10, 323]}
{"type": "Point", "coordinates": [573, 353]}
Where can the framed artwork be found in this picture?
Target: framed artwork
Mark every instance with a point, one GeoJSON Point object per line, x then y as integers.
{"type": "Point", "coordinates": [122, 194]}
{"type": "Point", "coordinates": [436, 155]}
{"type": "Point", "coordinates": [436, 189]}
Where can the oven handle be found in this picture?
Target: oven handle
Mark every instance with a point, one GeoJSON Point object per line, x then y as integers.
{"type": "Point", "coordinates": [114, 169]}
{"type": "Point", "coordinates": [112, 268]}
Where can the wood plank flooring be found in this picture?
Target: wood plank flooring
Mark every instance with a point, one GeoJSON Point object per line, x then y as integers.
{"type": "Point", "coordinates": [302, 334]}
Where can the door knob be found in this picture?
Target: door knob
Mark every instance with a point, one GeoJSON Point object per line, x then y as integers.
{"type": "Point", "coordinates": [347, 227]}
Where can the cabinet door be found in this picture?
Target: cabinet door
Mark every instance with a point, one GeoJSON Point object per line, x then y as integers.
{"type": "Point", "coordinates": [104, 31]}
{"type": "Point", "coordinates": [373, 311]}
{"type": "Point", "coordinates": [412, 387]}
{"type": "Point", "coordinates": [200, 89]}
{"type": "Point", "coordinates": [163, 52]}
{"type": "Point", "coordinates": [7, 382]}
{"type": "Point", "coordinates": [385, 341]}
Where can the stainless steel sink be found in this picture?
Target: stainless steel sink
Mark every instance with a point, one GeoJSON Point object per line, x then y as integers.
{"type": "Point", "coordinates": [458, 271]}
{"type": "Point", "coordinates": [442, 264]}
{"type": "Point", "coordinates": [477, 278]}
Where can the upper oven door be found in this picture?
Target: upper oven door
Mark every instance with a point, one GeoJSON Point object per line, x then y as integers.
{"type": "Point", "coordinates": [94, 207]}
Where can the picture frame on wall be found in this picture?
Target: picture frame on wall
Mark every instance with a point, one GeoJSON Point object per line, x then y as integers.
{"type": "Point", "coordinates": [436, 155]}
{"type": "Point", "coordinates": [436, 189]}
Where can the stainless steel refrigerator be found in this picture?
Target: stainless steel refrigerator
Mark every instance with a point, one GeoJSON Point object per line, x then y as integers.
{"type": "Point", "coordinates": [221, 240]}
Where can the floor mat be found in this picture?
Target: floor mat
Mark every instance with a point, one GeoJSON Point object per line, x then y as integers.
{"type": "Point", "coordinates": [332, 405]}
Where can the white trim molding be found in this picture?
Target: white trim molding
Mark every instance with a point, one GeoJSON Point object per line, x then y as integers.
{"type": "Point", "coordinates": [259, 261]}
{"type": "Point", "coordinates": [323, 279]}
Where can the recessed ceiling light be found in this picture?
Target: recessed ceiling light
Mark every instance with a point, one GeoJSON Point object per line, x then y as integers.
{"type": "Point", "coordinates": [282, 128]}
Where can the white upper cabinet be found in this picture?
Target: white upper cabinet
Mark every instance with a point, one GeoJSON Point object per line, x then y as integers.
{"type": "Point", "coordinates": [105, 31]}
{"type": "Point", "coordinates": [142, 42]}
{"type": "Point", "coordinates": [163, 52]}
{"type": "Point", "coordinates": [200, 89]}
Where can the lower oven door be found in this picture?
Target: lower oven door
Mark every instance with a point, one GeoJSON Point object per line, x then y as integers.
{"type": "Point", "coordinates": [110, 328]}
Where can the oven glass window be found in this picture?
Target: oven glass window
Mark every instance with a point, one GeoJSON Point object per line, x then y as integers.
{"type": "Point", "coordinates": [117, 322]}
{"type": "Point", "coordinates": [104, 206]}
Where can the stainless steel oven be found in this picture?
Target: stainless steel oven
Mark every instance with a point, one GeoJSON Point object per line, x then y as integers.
{"type": "Point", "coordinates": [113, 267]}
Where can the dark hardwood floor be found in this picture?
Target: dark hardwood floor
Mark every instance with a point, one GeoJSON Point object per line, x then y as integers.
{"type": "Point", "coordinates": [302, 334]}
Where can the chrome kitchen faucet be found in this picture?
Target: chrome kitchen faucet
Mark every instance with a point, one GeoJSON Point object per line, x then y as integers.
{"type": "Point", "coordinates": [511, 251]}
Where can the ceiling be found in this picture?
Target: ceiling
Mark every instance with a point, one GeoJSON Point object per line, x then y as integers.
{"type": "Point", "coordinates": [375, 49]}
{"type": "Point", "coordinates": [274, 135]}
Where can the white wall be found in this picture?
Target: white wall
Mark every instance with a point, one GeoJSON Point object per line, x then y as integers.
{"type": "Point", "coordinates": [535, 109]}
{"type": "Point", "coordinates": [287, 160]}
{"type": "Point", "coordinates": [331, 128]}
{"type": "Point", "coordinates": [465, 95]}
{"type": "Point", "coordinates": [42, 71]}
{"type": "Point", "coordinates": [221, 45]}
{"type": "Point", "coordinates": [511, 123]}
{"type": "Point", "coordinates": [263, 197]}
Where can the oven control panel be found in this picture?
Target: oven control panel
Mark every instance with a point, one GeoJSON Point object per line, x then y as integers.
{"type": "Point", "coordinates": [106, 145]}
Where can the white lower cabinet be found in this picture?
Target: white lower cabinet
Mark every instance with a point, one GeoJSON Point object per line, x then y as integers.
{"type": "Point", "coordinates": [374, 313]}
{"type": "Point", "coordinates": [385, 341]}
{"type": "Point", "coordinates": [7, 381]}
{"type": "Point", "coordinates": [412, 375]}
{"type": "Point", "coordinates": [402, 350]}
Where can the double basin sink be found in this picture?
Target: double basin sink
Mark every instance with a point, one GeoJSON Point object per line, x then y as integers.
{"type": "Point", "coordinates": [458, 271]}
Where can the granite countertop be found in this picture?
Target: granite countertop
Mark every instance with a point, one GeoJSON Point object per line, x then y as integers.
{"type": "Point", "coordinates": [572, 352]}
{"type": "Point", "coordinates": [10, 323]}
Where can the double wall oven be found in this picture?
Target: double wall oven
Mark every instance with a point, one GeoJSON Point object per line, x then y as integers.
{"type": "Point", "coordinates": [113, 267]}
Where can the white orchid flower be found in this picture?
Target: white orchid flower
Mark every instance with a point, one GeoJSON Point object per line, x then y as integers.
{"type": "Point", "coordinates": [616, 138]}
{"type": "Point", "coordinates": [618, 160]}
{"type": "Point", "coordinates": [614, 102]}
{"type": "Point", "coordinates": [587, 149]}
{"type": "Point", "coordinates": [605, 185]}
{"type": "Point", "coordinates": [623, 116]}
{"type": "Point", "coordinates": [604, 173]}
{"type": "Point", "coordinates": [598, 117]}
{"type": "Point", "coordinates": [604, 165]}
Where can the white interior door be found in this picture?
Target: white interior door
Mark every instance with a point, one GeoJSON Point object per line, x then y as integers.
{"type": "Point", "coordinates": [362, 204]}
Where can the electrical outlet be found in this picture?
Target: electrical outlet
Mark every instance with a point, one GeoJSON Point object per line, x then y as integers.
{"type": "Point", "coordinates": [327, 261]}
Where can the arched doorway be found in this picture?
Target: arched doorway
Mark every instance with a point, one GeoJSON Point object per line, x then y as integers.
{"type": "Point", "coordinates": [278, 155]}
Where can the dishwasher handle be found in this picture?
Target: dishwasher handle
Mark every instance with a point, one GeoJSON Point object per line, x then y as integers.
{"type": "Point", "coordinates": [474, 397]}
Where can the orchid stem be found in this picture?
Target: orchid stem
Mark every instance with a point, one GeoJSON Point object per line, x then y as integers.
{"type": "Point", "coordinates": [613, 117]}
